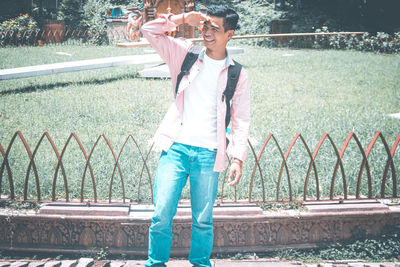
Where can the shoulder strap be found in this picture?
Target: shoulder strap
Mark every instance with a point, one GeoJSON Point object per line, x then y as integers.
{"type": "Point", "coordinates": [233, 78]}
{"type": "Point", "coordinates": [187, 64]}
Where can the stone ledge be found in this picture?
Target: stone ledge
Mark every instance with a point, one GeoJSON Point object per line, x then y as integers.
{"type": "Point", "coordinates": [184, 210]}
{"type": "Point", "coordinates": [233, 211]}
{"type": "Point", "coordinates": [81, 209]}
{"type": "Point", "coordinates": [239, 227]}
{"type": "Point", "coordinates": [347, 206]}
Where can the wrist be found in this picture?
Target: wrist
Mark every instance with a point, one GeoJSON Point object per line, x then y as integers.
{"type": "Point", "coordinates": [178, 19]}
{"type": "Point", "coordinates": [238, 161]}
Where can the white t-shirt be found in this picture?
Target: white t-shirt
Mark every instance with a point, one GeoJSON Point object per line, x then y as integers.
{"type": "Point", "coordinates": [199, 123]}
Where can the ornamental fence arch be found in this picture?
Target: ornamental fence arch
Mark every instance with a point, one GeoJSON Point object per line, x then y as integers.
{"type": "Point", "coordinates": [256, 171]}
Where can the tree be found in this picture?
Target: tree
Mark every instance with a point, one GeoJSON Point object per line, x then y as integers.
{"type": "Point", "coordinates": [71, 12]}
{"type": "Point", "coordinates": [94, 19]}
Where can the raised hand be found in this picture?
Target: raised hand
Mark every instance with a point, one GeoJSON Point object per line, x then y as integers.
{"type": "Point", "coordinates": [195, 18]}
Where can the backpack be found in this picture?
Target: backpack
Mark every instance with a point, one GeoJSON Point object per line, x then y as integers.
{"type": "Point", "coordinates": [233, 78]}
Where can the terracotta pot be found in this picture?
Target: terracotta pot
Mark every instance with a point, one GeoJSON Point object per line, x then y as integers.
{"type": "Point", "coordinates": [54, 31]}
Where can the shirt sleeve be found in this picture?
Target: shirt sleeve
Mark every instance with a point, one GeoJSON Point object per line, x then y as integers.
{"type": "Point", "coordinates": [171, 50]}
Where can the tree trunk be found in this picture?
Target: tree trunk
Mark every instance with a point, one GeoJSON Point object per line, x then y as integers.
{"type": "Point", "coordinates": [298, 4]}
{"type": "Point", "coordinates": [40, 9]}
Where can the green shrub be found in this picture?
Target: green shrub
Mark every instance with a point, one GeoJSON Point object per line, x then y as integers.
{"type": "Point", "coordinates": [256, 20]}
{"type": "Point", "coordinates": [70, 12]}
{"type": "Point", "coordinates": [126, 2]}
{"type": "Point", "coordinates": [382, 43]}
{"type": "Point", "coordinates": [20, 27]}
{"type": "Point", "coordinates": [94, 20]}
{"type": "Point", "coordinates": [21, 23]}
{"type": "Point", "coordinates": [385, 246]}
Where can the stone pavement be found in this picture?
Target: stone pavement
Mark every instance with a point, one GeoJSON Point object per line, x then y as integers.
{"type": "Point", "coordinates": [89, 262]}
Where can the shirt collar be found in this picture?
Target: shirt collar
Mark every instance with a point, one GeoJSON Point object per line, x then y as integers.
{"type": "Point", "coordinates": [228, 59]}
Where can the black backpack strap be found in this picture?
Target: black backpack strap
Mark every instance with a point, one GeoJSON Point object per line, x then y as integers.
{"type": "Point", "coordinates": [233, 78]}
{"type": "Point", "coordinates": [190, 59]}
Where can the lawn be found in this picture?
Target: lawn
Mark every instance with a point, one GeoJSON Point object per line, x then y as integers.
{"type": "Point", "coordinates": [293, 91]}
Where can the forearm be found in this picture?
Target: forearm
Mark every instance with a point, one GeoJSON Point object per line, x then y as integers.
{"type": "Point", "coordinates": [178, 19]}
{"type": "Point", "coordinates": [192, 18]}
{"type": "Point", "coordinates": [170, 49]}
{"type": "Point", "coordinates": [158, 27]}
{"type": "Point", "coordinates": [169, 22]}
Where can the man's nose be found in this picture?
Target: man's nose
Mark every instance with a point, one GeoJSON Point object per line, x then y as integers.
{"type": "Point", "coordinates": [207, 31]}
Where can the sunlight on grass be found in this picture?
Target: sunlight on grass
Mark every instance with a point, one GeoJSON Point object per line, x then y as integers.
{"type": "Point", "coordinates": [293, 91]}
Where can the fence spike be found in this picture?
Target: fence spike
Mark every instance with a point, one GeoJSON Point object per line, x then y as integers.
{"type": "Point", "coordinates": [257, 165]}
{"type": "Point", "coordinates": [391, 155]}
{"type": "Point", "coordinates": [10, 180]}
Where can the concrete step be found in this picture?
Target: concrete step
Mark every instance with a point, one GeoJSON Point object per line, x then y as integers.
{"type": "Point", "coordinates": [52, 264]}
{"type": "Point", "coordinates": [83, 210]}
{"type": "Point", "coordinates": [355, 264]}
{"type": "Point", "coordinates": [69, 263]}
{"type": "Point", "coordinates": [134, 263]}
{"type": "Point", "coordinates": [19, 264]}
{"type": "Point", "coordinates": [37, 70]}
{"type": "Point", "coordinates": [349, 206]}
{"type": "Point", "coordinates": [85, 262]}
{"type": "Point", "coordinates": [89, 262]}
{"type": "Point", "coordinates": [251, 263]}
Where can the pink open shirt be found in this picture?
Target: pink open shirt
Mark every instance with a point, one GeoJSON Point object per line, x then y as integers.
{"type": "Point", "coordinates": [173, 52]}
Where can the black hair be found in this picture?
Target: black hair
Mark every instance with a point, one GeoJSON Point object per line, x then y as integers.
{"type": "Point", "coordinates": [229, 15]}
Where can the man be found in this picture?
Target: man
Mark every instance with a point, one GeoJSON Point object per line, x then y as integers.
{"type": "Point", "coordinates": [192, 135]}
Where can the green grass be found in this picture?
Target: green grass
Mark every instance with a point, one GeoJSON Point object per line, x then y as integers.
{"type": "Point", "coordinates": [371, 248]}
{"type": "Point", "coordinates": [293, 91]}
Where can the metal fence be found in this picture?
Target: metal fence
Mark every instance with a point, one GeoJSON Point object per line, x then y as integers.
{"type": "Point", "coordinates": [329, 40]}
{"type": "Point", "coordinates": [335, 40]}
{"type": "Point", "coordinates": [46, 37]}
{"type": "Point", "coordinates": [256, 170]}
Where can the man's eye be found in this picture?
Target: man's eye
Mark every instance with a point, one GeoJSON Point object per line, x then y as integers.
{"type": "Point", "coordinates": [206, 28]}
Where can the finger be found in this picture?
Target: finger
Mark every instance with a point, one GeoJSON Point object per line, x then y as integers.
{"type": "Point", "coordinates": [238, 175]}
{"type": "Point", "coordinates": [205, 17]}
{"type": "Point", "coordinates": [196, 18]}
{"type": "Point", "coordinates": [231, 175]}
{"type": "Point", "coordinates": [234, 182]}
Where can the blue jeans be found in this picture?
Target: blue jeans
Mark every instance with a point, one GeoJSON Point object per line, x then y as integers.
{"type": "Point", "coordinates": [173, 169]}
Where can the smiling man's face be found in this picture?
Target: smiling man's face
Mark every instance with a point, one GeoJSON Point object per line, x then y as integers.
{"type": "Point", "coordinates": [214, 35]}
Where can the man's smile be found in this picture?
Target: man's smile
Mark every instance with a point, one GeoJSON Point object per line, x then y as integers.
{"type": "Point", "coordinates": [208, 39]}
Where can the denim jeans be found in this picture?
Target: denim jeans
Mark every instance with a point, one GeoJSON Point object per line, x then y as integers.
{"type": "Point", "coordinates": [173, 169]}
